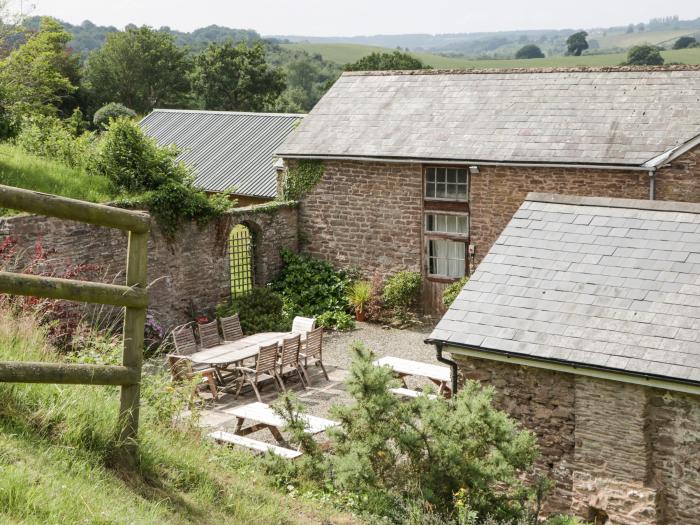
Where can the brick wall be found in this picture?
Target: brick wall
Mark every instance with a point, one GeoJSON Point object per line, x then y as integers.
{"type": "Point", "coordinates": [365, 215]}
{"type": "Point", "coordinates": [189, 274]}
{"type": "Point", "coordinates": [679, 181]}
{"type": "Point", "coordinates": [628, 451]}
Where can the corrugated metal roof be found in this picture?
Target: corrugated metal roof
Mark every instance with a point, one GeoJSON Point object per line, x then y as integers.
{"type": "Point", "coordinates": [225, 149]}
{"type": "Point", "coordinates": [597, 117]}
{"type": "Point", "coordinates": [594, 282]}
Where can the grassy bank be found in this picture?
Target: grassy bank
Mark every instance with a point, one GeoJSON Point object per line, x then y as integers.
{"type": "Point", "coordinates": [56, 458]}
{"type": "Point", "coordinates": [23, 170]}
{"type": "Point", "coordinates": [344, 53]}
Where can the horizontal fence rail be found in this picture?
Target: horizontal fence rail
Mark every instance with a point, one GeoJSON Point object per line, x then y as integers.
{"type": "Point", "coordinates": [74, 210]}
{"type": "Point", "coordinates": [72, 290]}
{"type": "Point", "coordinates": [67, 373]}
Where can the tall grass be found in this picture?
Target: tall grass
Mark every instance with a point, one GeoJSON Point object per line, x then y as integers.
{"type": "Point", "coordinates": [20, 169]}
{"type": "Point", "coordinates": [57, 464]}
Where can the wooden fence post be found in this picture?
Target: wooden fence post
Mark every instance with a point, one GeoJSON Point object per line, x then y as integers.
{"type": "Point", "coordinates": [134, 320]}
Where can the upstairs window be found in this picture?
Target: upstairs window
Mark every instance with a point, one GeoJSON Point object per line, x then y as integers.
{"type": "Point", "coordinates": [451, 224]}
{"type": "Point", "coordinates": [446, 184]}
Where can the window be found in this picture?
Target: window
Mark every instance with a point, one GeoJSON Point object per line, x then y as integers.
{"type": "Point", "coordinates": [447, 258]}
{"type": "Point", "coordinates": [446, 184]}
{"type": "Point", "coordinates": [444, 223]}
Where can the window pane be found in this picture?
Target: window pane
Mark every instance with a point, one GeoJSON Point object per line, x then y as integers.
{"type": "Point", "coordinates": [462, 176]}
{"type": "Point", "coordinates": [429, 189]}
{"type": "Point", "coordinates": [440, 191]}
{"type": "Point", "coordinates": [430, 174]}
{"type": "Point", "coordinates": [462, 225]}
{"type": "Point", "coordinates": [442, 223]}
{"type": "Point", "coordinates": [451, 175]}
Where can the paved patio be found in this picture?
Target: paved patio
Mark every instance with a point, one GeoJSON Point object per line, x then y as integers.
{"type": "Point", "coordinates": [322, 394]}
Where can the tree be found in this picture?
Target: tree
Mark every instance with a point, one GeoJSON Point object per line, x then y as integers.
{"type": "Point", "coordinates": [529, 51]}
{"type": "Point", "coordinates": [36, 77]}
{"type": "Point", "coordinates": [630, 28]}
{"type": "Point", "coordinates": [236, 78]}
{"type": "Point", "coordinates": [576, 43]}
{"type": "Point", "coordinates": [140, 68]}
{"type": "Point", "coordinates": [111, 111]}
{"type": "Point", "coordinates": [386, 61]}
{"type": "Point", "coordinates": [644, 55]}
{"type": "Point", "coordinates": [685, 42]}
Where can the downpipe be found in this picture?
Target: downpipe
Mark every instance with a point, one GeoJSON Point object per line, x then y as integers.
{"type": "Point", "coordinates": [652, 184]}
{"type": "Point", "coordinates": [452, 364]}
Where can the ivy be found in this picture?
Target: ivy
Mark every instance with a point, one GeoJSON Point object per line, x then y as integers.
{"type": "Point", "coordinates": [301, 179]}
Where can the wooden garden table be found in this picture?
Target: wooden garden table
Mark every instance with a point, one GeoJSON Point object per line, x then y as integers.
{"type": "Point", "coordinates": [236, 351]}
{"type": "Point", "coordinates": [440, 375]}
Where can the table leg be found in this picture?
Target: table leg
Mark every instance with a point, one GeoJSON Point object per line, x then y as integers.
{"type": "Point", "coordinates": [239, 425]}
{"type": "Point", "coordinates": [277, 435]}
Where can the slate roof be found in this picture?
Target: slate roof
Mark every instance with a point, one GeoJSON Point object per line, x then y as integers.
{"type": "Point", "coordinates": [623, 117]}
{"type": "Point", "coordinates": [594, 282]}
{"type": "Point", "coordinates": [225, 149]}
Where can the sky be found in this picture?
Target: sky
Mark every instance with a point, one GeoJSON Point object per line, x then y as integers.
{"type": "Point", "coordinates": [365, 17]}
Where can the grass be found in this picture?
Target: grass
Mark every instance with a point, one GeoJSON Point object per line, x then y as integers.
{"type": "Point", "coordinates": [20, 169]}
{"type": "Point", "coordinates": [57, 464]}
{"type": "Point", "coordinates": [626, 40]}
{"type": "Point", "coordinates": [353, 52]}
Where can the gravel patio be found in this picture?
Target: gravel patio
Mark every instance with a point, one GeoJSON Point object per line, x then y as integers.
{"type": "Point", "coordinates": [322, 394]}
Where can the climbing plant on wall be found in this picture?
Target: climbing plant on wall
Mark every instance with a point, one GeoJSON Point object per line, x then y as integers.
{"type": "Point", "coordinates": [301, 178]}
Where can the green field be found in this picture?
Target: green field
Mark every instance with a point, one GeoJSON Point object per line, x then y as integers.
{"type": "Point", "coordinates": [626, 40]}
{"type": "Point", "coordinates": [344, 53]}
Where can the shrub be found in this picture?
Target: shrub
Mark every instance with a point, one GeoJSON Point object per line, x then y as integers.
{"type": "Point", "coordinates": [396, 459]}
{"type": "Point", "coordinates": [401, 289]}
{"type": "Point", "coordinates": [644, 55]}
{"type": "Point", "coordinates": [51, 138]}
{"type": "Point", "coordinates": [111, 111]}
{"type": "Point", "coordinates": [309, 287]}
{"type": "Point", "coordinates": [529, 51]}
{"type": "Point", "coordinates": [259, 311]}
{"type": "Point", "coordinates": [134, 163]}
{"type": "Point", "coordinates": [685, 42]}
{"type": "Point", "coordinates": [336, 320]}
{"type": "Point", "coordinates": [450, 293]}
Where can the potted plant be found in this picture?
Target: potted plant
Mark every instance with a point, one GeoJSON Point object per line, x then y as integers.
{"type": "Point", "coordinates": [359, 295]}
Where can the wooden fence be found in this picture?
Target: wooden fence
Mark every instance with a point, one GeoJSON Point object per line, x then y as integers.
{"type": "Point", "coordinates": [133, 296]}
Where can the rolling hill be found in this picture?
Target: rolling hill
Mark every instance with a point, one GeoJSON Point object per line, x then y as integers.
{"type": "Point", "coordinates": [344, 53]}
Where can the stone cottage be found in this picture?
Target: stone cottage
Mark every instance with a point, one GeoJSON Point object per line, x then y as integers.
{"type": "Point", "coordinates": [585, 317]}
{"type": "Point", "coordinates": [229, 151]}
{"type": "Point", "coordinates": [423, 169]}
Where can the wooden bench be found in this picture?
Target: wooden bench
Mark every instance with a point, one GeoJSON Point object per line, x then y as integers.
{"type": "Point", "coordinates": [253, 444]}
{"type": "Point", "coordinates": [407, 392]}
{"type": "Point", "coordinates": [440, 375]}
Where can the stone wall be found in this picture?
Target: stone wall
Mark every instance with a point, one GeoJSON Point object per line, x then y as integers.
{"type": "Point", "coordinates": [365, 215]}
{"type": "Point", "coordinates": [368, 214]}
{"type": "Point", "coordinates": [626, 453]}
{"type": "Point", "coordinates": [543, 401]}
{"type": "Point", "coordinates": [187, 275]}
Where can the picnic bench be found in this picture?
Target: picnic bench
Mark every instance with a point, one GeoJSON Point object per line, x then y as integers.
{"type": "Point", "coordinates": [253, 444]}
{"type": "Point", "coordinates": [263, 416]}
{"type": "Point", "coordinates": [440, 375]}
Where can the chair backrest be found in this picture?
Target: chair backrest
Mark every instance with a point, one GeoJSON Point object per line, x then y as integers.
{"type": "Point", "coordinates": [290, 350]}
{"type": "Point", "coordinates": [267, 359]}
{"type": "Point", "coordinates": [180, 368]}
{"type": "Point", "coordinates": [209, 334]}
{"type": "Point", "coordinates": [314, 343]}
{"type": "Point", "coordinates": [301, 325]}
{"type": "Point", "coordinates": [231, 326]}
{"type": "Point", "coordinates": [183, 337]}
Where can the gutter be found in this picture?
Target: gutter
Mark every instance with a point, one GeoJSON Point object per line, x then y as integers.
{"type": "Point", "coordinates": [442, 359]}
{"type": "Point", "coordinates": [639, 378]}
{"type": "Point", "coordinates": [415, 160]}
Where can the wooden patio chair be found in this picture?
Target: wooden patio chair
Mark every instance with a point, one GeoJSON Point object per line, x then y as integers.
{"type": "Point", "coordinates": [183, 339]}
{"type": "Point", "coordinates": [314, 351]}
{"type": "Point", "coordinates": [181, 370]}
{"type": "Point", "coordinates": [209, 334]}
{"type": "Point", "coordinates": [289, 358]}
{"type": "Point", "coordinates": [265, 368]}
{"type": "Point", "coordinates": [231, 327]}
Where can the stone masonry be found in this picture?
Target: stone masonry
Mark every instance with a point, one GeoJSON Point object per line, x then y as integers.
{"type": "Point", "coordinates": [188, 275]}
{"type": "Point", "coordinates": [624, 453]}
{"type": "Point", "coordinates": [368, 214]}
{"type": "Point", "coordinates": [365, 215]}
